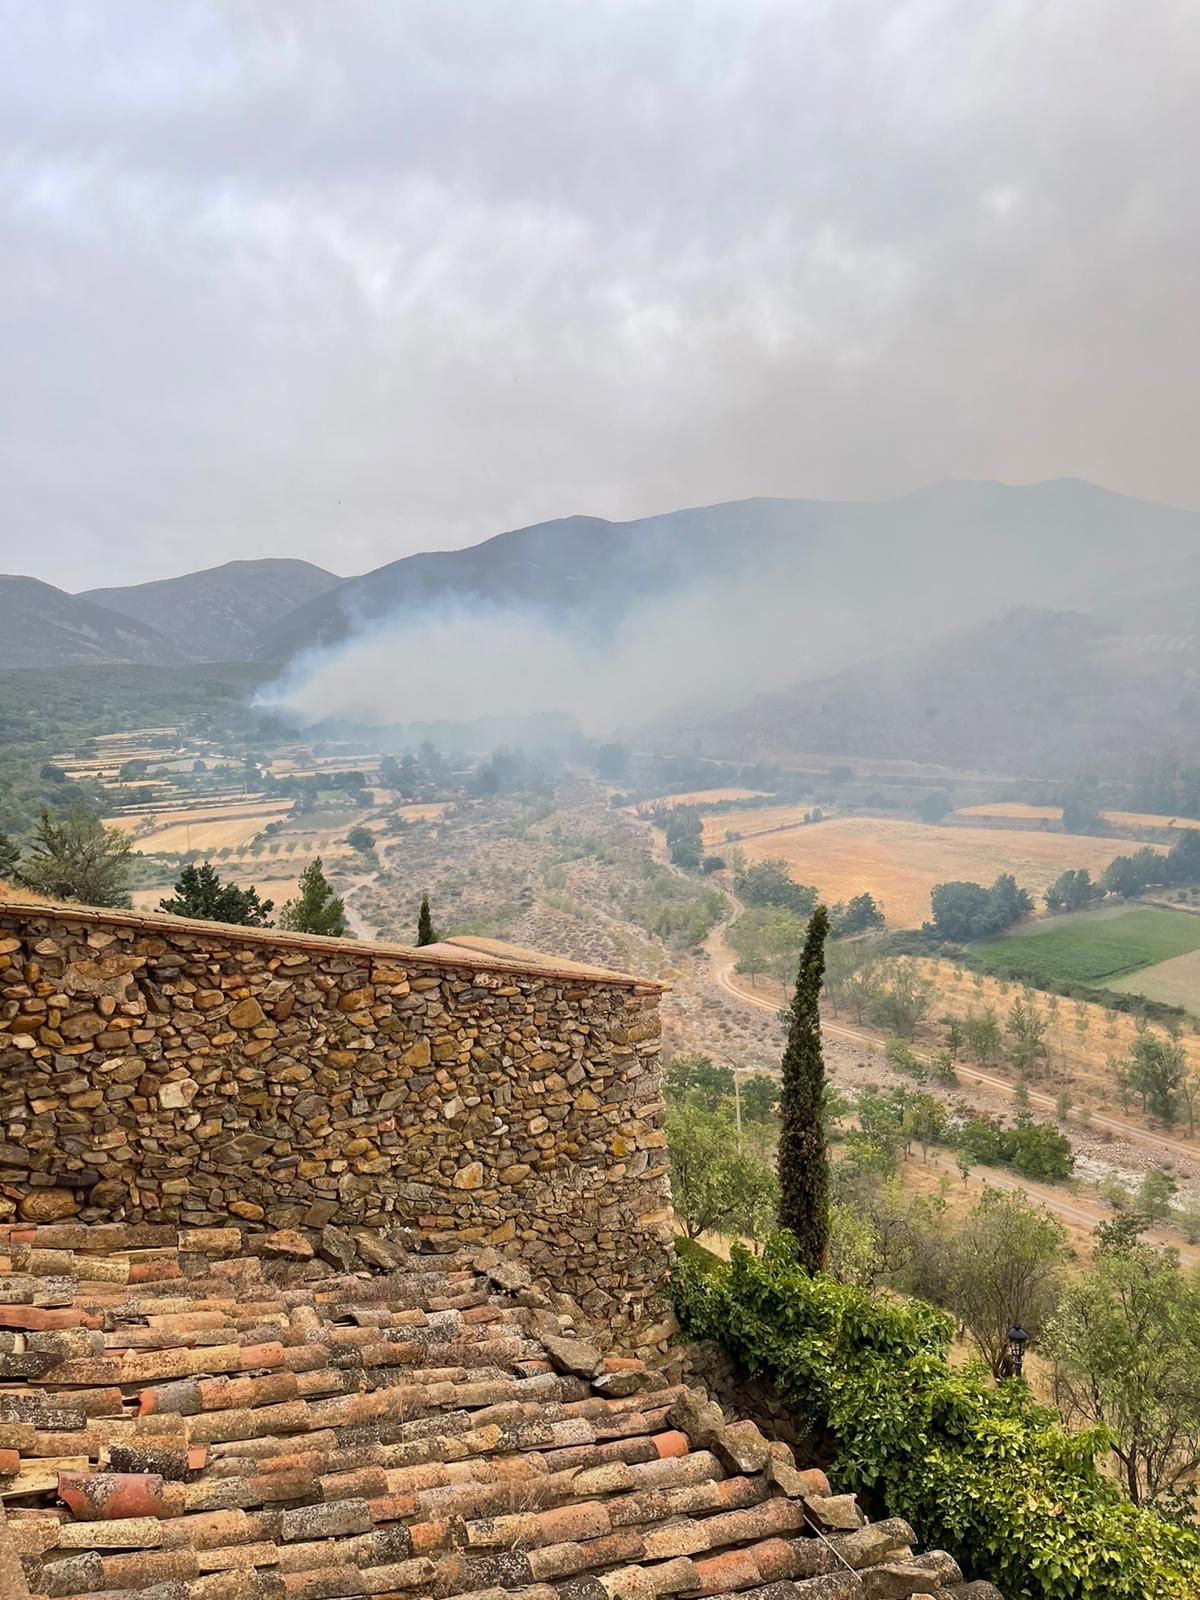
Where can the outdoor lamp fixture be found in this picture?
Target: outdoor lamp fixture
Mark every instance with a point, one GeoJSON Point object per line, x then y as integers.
{"type": "Point", "coordinates": [1017, 1340]}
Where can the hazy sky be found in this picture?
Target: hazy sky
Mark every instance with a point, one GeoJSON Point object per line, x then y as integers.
{"type": "Point", "coordinates": [346, 280]}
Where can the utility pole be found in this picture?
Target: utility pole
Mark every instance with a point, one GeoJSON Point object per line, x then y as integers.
{"type": "Point", "coordinates": [737, 1106]}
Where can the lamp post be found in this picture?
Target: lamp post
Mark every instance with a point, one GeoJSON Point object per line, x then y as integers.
{"type": "Point", "coordinates": [1017, 1340]}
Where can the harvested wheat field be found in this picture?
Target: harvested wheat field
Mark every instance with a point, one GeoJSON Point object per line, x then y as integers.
{"type": "Point", "coordinates": [759, 819]}
{"type": "Point", "coordinates": [433, 811]}
{"type": "Point", "coordinates": [200, 827]}
{"type": "Point", "coordinates": [701, 797]}
{"type": "Point", "coordinates": [1017, 811]}
{"type": "Point", "coordinates": [899, 862]}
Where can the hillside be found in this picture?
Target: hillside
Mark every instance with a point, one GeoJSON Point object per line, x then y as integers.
{"type": "Point", "coordinates": [1032, 692]}
{"type": "Point", "coordinates": [41, 626]}
{"type": "Point", "coordinates": [950, 552]}
{"type": "Point", "coordinates": [222, 613]}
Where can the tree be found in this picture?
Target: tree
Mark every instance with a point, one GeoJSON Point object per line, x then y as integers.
{"type": "Point", "coordinates": [1026, 1029]}
{"type": "Point", "coordinates": [983, 1035]}
{"type": "Point", "coordinates": [9, 856]}
{"type": "Point", "coordinates": [75, 857]}
{"type": "Point", "coordinates": [926, 1120]}
{"type": "Point", "coordinates": [1008, 1259]}
{"type": "Point", "coordinates": [360, 838]}
{"type": "Point", "coordinates": [1036, 1150]}
{"type": "Point", "coordinates": [1155, 1193]}
{"type": "Point", "coordinates": [200, 893]}
{"type": "Point", "coordinates": [1158, 1070]}
{"type": "Point", "coordinates": [1072, 891]}
{"type": "Point", "coordinates": [316, 909]}
{"type": "Point", "coordinates": [1127, 876]}
{"type": "Point", "coordinates": [900, 1006]}
{"type": "Point", "coordinates": [760, 1096]}
{"type": "Point", "coordinates": [1125, 1343]}
{"type": "Point", "coordinates": [955, 1036]}
{"type": "Point", "coordinates": [425, 933]}
{"type": "Point", "coordinates": [860, 914]}
{"type": "Point", "coordinates": [934, 806]}
{"type": "Point", "coordinates": [698, 1078]}
{"type": "Point", "coordinates": [768, 883]}
{"type": "Point", "coordinates": [963, 910]}
{"type": "Point", "coordinates": [1183, 858]}
{"type": "Point", "coordinates": [852, 975]}
{"type": "Point", "coordinates": [803, 1157]}
{"type": "Point", "coordinates": [1081, 811]}
{"type": "Point", "coordinates": [768, 939]}
{"type": "Point", "coordinates": [714, 1186]}
{"type": "Point", "coordinates": [959, 910]}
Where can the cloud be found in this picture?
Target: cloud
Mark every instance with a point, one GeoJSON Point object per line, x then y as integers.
{"type": "Point", "coordinates": [347, 282]}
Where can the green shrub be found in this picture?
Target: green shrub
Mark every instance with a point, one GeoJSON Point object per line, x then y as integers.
{"type": "Point", "coordinates": [985, 1472]}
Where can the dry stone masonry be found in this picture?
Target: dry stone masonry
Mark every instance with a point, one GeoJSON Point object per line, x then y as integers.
{"type": "Point", "coordinates": [163, 1071]}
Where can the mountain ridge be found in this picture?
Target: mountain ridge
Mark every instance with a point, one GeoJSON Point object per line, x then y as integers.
{"type": "Point", "coordinates": [952, 551]}
{"type": "Point", "coordinates": [218, 613]}
{"type": "Point", "coordinates": [41, 626]}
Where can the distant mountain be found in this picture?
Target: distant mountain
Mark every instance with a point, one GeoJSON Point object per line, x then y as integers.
{"type": "Point", "coordinates": [851, 576]}
{"type": "Point", "coordinates": [41, 626]}
{"type": "Point", "coordinates": [222, 613]}
{"type": "Point", "coordinates": [948, 553]}
{"type": "Point", "coordinates": [577, 570]}
{"type": "Point", "coordinates": [1031, 692]}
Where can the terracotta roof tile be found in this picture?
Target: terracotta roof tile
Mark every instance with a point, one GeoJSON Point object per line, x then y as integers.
{"type": "Point", "coordinates": [184, 1418]}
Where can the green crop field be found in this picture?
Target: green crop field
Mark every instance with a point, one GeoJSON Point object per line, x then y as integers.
{"type": "Point", "coordinates": [1094, 950]}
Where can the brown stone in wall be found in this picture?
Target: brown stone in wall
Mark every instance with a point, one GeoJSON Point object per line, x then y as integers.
{"type": "Point", "coordinates": [175, 1072]}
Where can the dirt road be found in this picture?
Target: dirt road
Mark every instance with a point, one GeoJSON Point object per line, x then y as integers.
{"type": "Point", "coordinates": [1073, 1208]}
{"type": "Point", "coordinates": [1160, 1143]}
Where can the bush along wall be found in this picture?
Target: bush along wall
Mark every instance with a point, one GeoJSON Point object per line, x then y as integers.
{"type": "Point", "coordinates": [985, 1472]}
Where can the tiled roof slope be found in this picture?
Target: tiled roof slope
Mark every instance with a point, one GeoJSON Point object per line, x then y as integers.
{"type": "Point", "coordinates": [207, 1415]}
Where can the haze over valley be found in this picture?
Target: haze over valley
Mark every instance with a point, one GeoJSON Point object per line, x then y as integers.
{"type": "Point", "coordinates": [600, 703]}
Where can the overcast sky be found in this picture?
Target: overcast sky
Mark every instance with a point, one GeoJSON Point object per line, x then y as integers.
{"type": "Point", "coordinates": [347, 280]}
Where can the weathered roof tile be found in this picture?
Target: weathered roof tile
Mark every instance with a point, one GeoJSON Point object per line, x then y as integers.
{"type": "Point", "coordinates": [195, 1420]}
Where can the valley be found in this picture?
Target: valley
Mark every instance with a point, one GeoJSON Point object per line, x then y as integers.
{"type": "Point", "coordinates": [900, 861]}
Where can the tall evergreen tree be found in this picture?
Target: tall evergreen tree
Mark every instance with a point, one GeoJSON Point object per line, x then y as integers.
{"type": "Point", "coordinates": [200, 893]}
{"type": "Point", "coordinates": [425, 933]}
{"type": "Point", "coordinates": [316, 908]}
{"type": "Point", "coordinates": [9, 856]}
{"type": "Point", "coordinates": [803, 1158]}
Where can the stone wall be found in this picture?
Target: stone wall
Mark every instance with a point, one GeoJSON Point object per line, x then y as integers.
{"type": "Point", "coordinates": [158, 1070]}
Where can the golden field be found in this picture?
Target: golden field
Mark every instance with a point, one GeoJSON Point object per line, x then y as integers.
{"type": "Point", "coordinates": [700, 797]}
{"type": "Point", "coordinates": [200, 827]}
{"type": "Point", "coordinates": [1018, 811]}
{"type": "Point", "coordinates": [899, 862]}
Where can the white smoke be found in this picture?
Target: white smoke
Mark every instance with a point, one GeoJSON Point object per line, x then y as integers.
{"type": "Point", "coordinates": [713, 646]}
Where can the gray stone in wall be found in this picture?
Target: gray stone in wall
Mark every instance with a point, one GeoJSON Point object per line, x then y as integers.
{"type": "Point", "coordinates": [154, 1071]}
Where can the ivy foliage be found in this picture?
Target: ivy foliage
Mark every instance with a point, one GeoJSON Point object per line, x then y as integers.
{"type": "Point", "coordinates": [984, 1472]}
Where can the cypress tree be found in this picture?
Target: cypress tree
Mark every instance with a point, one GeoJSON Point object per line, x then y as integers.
{"type": "Point", "coordinates": [425, 933]}
{"type": "Point", "coordinates": [803, 1158]}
